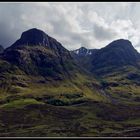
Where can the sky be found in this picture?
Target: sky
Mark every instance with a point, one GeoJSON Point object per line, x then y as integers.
{"type": "Point", "coordinates": [74, 24]}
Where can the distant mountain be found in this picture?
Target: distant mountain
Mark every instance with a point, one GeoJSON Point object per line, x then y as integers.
{"type": "Point", "coordinates": [83, 56]}
{"type": "Point", "coordinates": [37, 53]}
{"type": "Point", "coordinates": [115, 55]}
{"type": "Point", "coordinates": [84, 51]}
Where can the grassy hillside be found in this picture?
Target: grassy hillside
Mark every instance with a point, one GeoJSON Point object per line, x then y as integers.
{"type": "Point", "coordinates": [82, 105]}
{"type": "Point", "coordinates": [123, 84]}
{"type": "Point", "coordinates": [79, 106]}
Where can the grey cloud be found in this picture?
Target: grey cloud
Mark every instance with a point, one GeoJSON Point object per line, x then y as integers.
{"type": "Point", "coordinates": [11, 24]}
{"type": "Point", "coordinates": [66, 22]}
{"type": "Point", "coordinates": [102, 33]}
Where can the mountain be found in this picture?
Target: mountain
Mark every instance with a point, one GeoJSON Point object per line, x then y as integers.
{"type": "Point", "coordinates": [84, 51]}
{"type": "Point", "coordinates": [1, 49]}
{"type": "Point", "coordinates": [36, 37]}
{"type": "Point", "coordinates": [37, 53]}
{"type": "Point", "coordinates": [113, 56]}
{"type": "Point", "coordinates": [83, 56]}
{"type": "Point", "coordinates": [116, 54]}
{"type": "Point", "coordinates": [38, 65]}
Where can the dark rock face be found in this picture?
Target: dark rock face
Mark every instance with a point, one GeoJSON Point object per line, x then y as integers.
{"type": "Point", "coordinates": [37, 53]}
{"type": "Point", "coordinates": [1, 49]}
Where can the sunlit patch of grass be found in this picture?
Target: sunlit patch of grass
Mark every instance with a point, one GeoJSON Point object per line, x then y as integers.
{"type": "Point", "coordinates": [20, 103]}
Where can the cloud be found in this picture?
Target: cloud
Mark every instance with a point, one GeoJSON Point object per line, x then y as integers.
{"type": "Point", "coordinates": [102, 33]}
{"type": "Point", "coordinates": [92, 25]}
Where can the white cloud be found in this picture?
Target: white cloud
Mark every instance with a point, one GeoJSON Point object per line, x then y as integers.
{"type": "Point", "coordinates": [93, 25]}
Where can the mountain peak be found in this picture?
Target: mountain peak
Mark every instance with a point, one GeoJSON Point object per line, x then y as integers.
{"type": "Point", "coordinates": [121, 43]}
{"type": "Point", "coordinates": [33, 32]}
{"type": "Point", "coordinates": [36, 50]}
{"type": "Point", "coordinates": [82, 48]}
{"type": "Point", "coordinates": [82, 51]}
{"type": "Point", "coordinates": [122, 46]}
{"type": "Point", "coordinates": [32, 37]}
{"type": "Point", "coordinates": [121, 40]}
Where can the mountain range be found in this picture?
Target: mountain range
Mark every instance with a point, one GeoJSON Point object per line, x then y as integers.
{"type": "Point", "coordinates": [113, 56]}
{"type": "Point", "coordinates": [41, 82]}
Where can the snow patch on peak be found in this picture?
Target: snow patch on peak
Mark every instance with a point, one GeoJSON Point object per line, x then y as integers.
{"type": "Point", "coordinates": [77, 51]}
{"type": "Point", "coordinates": [83, 51]}
{"type": "Point", "coordinates": [89, 52]}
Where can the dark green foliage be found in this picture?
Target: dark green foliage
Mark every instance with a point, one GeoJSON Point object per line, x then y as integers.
{"type": "Point", "coordinates": [59, 102]}
{"type": "Point", "coordinates": [104, 84]}
{"type": "Point", "coordinates": [75, 95]}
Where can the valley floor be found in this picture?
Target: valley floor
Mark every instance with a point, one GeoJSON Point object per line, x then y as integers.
{"type": "Point", "coordinates": [88, 119]}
